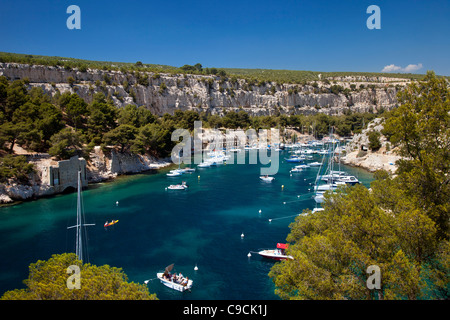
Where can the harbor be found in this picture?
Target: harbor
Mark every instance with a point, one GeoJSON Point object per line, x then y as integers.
{"type": "Point", "coordinates": [206, 230]}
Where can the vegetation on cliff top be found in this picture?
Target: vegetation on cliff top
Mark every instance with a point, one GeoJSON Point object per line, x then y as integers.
{"type": "Point", "coordinates": [257, 75]}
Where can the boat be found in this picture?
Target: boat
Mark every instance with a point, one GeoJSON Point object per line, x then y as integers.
{"type": "Point", "coordinates": [351, 180]}
{"type": "Point", "coordinates": [113, 222]}
{"type": "Point", "coordinates": [318, 198]}
{"type": "Point", "coordinates": [296, 170]}
{"type": "Point", "coordinates": [267, 178]}
{"type": "Point", "coordinates": [294, 159]}
{"type": "Point", "coordinates": [276, 254]}
{"type": "Point", "coordinates": [174, 281]}
{"type": "Point", "coordinates": [182, 186]}
{"type": "Point", "coordinates": [174, 173]}
{"type": "Point", "coordinates": [204, 164]}
{"type": "Point", "coordinates": [315, 164]}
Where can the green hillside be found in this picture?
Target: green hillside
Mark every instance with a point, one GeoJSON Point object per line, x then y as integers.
{"type": "Point", "coordinates": [260, 75]}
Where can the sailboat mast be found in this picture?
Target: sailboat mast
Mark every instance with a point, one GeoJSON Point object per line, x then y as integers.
{"type": "Point", "coordinates": [79, 246]}
{"type": "Point", "coordinates": [80, 223]}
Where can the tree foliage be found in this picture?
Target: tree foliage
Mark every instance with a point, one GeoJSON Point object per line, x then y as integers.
{"type": "Point", "coordinates": [400, 224]}
{"type": "Point", "coordinates": [47, 280]}
{"type": "Point", "coordinates": [15, 167]}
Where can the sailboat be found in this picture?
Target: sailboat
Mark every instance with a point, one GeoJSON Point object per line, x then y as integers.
{"type": "Point", "coordinates": [80, 223]}
{"type": "Point", "coordinates": [331, 185]}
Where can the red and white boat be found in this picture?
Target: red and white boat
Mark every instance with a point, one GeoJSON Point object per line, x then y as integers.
{"type": "Point", "coordinates": [276, 254]}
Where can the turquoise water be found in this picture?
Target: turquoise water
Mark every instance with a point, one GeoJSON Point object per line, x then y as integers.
{"type": "Point", "coordinates": [200, 226]}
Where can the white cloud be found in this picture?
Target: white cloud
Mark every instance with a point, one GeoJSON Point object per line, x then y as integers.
{"type": "Point", "coordinates": [391, 68]}
{"type": "Point", "coordinates": [407, 69]}
{"type": "Point", "coordinates": [413, 67]}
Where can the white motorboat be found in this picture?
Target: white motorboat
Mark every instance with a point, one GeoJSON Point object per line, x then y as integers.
{"type": "Point", "coordinates": [326, 187]}
{"type": "Point", "coordinates": [351, 180]}
{"type": "Point", "coordinates": [174, 281]}
{"type": "Point", "coordinates": [315, 164]}
{"type": "Point", "coordinates": [267, 178]}
{"type": "Point", "coordinates": [204, 164]}
{"type": "Point", "coordinates": [294, 159]}
{"type": "Point", "coordinates": [276, 254]}
{"type": "Point", "coordinates": [174, 173]}
{"type": "Point", "coordinates": [319, 198]}
{"type": "Point", "coordinates": [182, 186]}
{"type": "Point", "coordinates": [296, 170]}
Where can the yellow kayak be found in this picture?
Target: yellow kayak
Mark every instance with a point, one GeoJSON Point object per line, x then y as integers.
{"type": "Point", "coordinates": [107, 224]}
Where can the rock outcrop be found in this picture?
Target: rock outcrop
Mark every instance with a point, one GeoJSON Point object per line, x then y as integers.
{"type": "Point", "coordinates": [53, 177]}
{"type": "Point", "coordinates": [358, 153]}
{"type": "Point", "coordinates": [163, 93]}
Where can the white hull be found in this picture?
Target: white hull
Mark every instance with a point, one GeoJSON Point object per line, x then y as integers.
{"type": "Point", "coordinates": [267, 179]}
{"type": "Point", "coordinates": [177, 187]}
{"type": "Point", "coordinates": [174, 285]}
{"type": "Point", "coordinates": [319, 198]}
{"type": "Point", "coordinates": [173, 174]}
{"type": "Point", "coordinates": [315, 164]}
{"type": "Point", "coordinates": [274, 254]}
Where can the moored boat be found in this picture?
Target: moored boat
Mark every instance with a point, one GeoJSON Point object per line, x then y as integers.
{"type": "Point", "coordinates": [182, 186]}
{"type": "Point", "coordinates": [267, 178]}
{"type": "Point", "coordinates": [174, 281]}
{"type": "Point", "coordinates": [174, 173]}
{"type": "Point", "coordinates": [276, 254]}
{"type": "Point", "coordinates": [294, 159]}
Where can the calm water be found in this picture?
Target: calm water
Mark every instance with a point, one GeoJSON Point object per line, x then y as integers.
{"type": "Point", "coordinates": [200, 226]}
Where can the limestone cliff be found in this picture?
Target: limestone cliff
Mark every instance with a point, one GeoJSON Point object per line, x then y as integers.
{"type": "Point", "coordinates": [163, 93]}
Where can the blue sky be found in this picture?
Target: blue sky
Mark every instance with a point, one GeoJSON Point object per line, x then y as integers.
{"type": "Point", "coordinates": [322, 35]}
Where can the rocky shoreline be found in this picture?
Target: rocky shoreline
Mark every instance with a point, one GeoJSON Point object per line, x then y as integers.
{"type": "Point", "coordinates": [101, 167]}
{"type": "Point", "coordinates": [358, 153]}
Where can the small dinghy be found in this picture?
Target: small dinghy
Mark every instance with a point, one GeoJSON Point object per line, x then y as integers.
{"type": "Point", "coordinates": [174, 281]}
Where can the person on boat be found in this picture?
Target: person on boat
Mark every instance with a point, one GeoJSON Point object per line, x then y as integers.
{"type": "Point", "coordinates": [185, 281]}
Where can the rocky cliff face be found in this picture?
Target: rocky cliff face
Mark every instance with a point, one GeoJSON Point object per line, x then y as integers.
{"type": "Point", "coordinates": [163, 93]}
